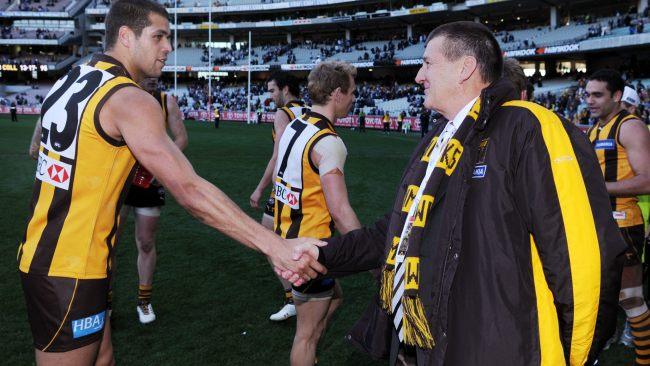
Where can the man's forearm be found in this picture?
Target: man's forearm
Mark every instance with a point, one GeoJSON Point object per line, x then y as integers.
{"type": "Point", "coordinates": [212, 207]}
{"type": "Point", "coordinates": [357, 251]}
{"type": "Point", "coordinates": [346, 220]}
{"type": "Point", "coordinates": [638, 185]}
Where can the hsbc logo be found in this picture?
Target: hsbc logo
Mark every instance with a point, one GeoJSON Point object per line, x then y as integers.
{"type": "Point", "coordinates": [285, 195]}
{"type": "Point", "coordinates": [53, 172]}
{"type": "Point", "coordinates": [58, 173]}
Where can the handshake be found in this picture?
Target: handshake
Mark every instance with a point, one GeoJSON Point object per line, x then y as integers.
{"type": "Point", "coordinates": [297, 261]}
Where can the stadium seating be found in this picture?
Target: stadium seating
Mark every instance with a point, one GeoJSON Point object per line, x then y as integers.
{"type": "Point", "coordinates": [29, 95]}
{"type": "Point", "coordinates": [35, 5]}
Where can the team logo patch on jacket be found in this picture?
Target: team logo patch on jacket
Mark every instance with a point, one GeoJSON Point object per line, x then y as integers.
{"type": "Point", "coordinates": [479, 171]}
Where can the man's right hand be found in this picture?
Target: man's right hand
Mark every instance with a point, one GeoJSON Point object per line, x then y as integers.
{"type": "Point", "coordinates": [303, 250]}
{"type": "Point", "coordinates": [299, 270]}
{"type": "Point", "coordinates": [255, 198]}
{"type": "Point", "coordinates": [33, 151]}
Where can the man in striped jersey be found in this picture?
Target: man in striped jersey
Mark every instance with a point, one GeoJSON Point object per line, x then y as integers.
{"type": "Point", "coordinates": [285, 93]}
{"type": "Point", "coordinates": [622, 144]}
{"type": "Point", "coordinates": [96, 121]}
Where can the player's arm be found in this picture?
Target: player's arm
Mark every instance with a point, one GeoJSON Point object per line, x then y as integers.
{"type": "Point", "coordinates": [175, 123]}
{"type": "Point", "coordinates": [329, 155]}
{"type": "Point", "coordinates": [280, 123]}
{"type": "Point", "coordinates": [35, 143]}
{"type": "Point", "coordinates": [635, 137]}
{"type": "Point", "coordinates": [147, 139]}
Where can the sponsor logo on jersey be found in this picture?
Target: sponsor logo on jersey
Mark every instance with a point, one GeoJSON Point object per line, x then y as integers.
{"type": "Point", "coordinates": [53, 172]}
{"type": "Point", "coordinates": [89, 325]}
{"type": "Point", "coordinates": [608, 144]}
{"type": "Point", "coordinates": [285, 195]}
{"type": "Point", "coordinates": [619, 215]}
{"type": "Point", "coordinates": [479, 171]}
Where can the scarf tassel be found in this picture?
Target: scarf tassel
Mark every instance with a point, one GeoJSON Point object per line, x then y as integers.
{"type": "Point", "coordinates": [386, 291]}
{"type": "Point", "coordinates": [415, 325]}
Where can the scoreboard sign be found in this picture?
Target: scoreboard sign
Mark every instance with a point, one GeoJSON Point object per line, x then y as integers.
{"type": "Point", "coordinates": [24, 67]}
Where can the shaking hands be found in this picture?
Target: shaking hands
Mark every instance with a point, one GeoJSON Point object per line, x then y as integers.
{"type": "Point", "coordinates": [299, 263]}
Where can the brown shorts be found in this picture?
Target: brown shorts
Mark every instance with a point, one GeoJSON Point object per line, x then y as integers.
{"type": "Point", "coordinates": [65, 313]}
{"type": "Point", "coordinates": [634, 236]}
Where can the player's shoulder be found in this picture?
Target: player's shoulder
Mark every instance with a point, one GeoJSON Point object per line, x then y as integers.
{"type": "Point", "coordinates": [634, 128]}
{"type": "Point", "coordinates": [131, 99]}
{"type": "Point", "coordinates": [331, 143]}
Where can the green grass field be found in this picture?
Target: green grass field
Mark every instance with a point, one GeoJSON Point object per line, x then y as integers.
{"type": "Point", "coordinates": [212, 296]}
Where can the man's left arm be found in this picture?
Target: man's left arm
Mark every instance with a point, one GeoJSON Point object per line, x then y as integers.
{"type": "Point", "coordinates": [175, 123]}
{"type": "Point", "coordinates": [635, 138]}
{"type": "Point", "coordinates": [329, 155]}
{"type": "Point", "coordinates": [574, 242]}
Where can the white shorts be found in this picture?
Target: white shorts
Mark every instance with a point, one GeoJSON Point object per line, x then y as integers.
{"type": "Point", "coordinates": [147, 211]}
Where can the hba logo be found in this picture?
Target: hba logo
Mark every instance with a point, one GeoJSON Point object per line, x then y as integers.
{"type": "Point", "coordinates": [89, 325]}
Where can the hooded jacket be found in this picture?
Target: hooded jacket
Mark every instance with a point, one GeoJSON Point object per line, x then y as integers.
{"type": "Point", "coordinates": [520, 261]}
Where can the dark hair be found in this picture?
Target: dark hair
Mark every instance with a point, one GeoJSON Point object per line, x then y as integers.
{"type": "Point", "coordinates": [513, 72]}
{"type": "Point", "coordinates": [131, 13]}
{"type": "Point", "coordinates": [471, 39]}
{"type": "Point", "coordinates": [283, 79]}
{"type": "Point", "coordinates": [612, 79]}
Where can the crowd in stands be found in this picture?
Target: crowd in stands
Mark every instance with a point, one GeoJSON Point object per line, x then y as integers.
{"type": "Point", "coordinates": [24, 99]}
{"type": "Point", "coordinates": [37, 5]}
{"type": "Point", "coordinates": [275, 53]}
{"type": "Point", "coordinates": [224, 96]}
{"type": "Point", "coordinates": [634, 24]}
{"type": "Point", "coordinates": [228, 56]}
{"type": "Point", "coordinates": [598, 27]}
{"type": "Point", "coordinates": [9, 32]}
{"type": "Point", "coordinates": [233, 97]}
{"type": "Point", "coordinates": [571, 103]}
{"type": "Point", "coordinates": [27, 58]}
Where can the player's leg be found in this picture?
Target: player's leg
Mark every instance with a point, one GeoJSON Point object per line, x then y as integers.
{"type": "Point", "coordinates": [631, 296]}
{"type": "Point", "coordinates": [337, 300]}
{"type": "Point", "coordinates": [84, 356]}
{"type": "Point", "coordinates": [124, 215]}
{"type": "Point", "coordinates": [146, 224]}
{"type": "Point", "coordinates": [288, 308]}
{"type": "Point", "coordinates": [310, 324]}
{"type": "Point", "coordinates": [105, 354]}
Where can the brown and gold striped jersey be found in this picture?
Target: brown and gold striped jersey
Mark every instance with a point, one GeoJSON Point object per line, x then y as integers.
{"type": "Point", "coordinates": [612, 157]}
{"type": "Point", "coordinates": [300, 206]}
{"type": "Point", "coordinates": [81, 177]}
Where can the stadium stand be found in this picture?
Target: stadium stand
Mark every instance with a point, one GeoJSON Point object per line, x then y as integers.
{"type": "Point", "coordinates": [35, 5]}
{"type": "Point", "coordinates": [372, 45]}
